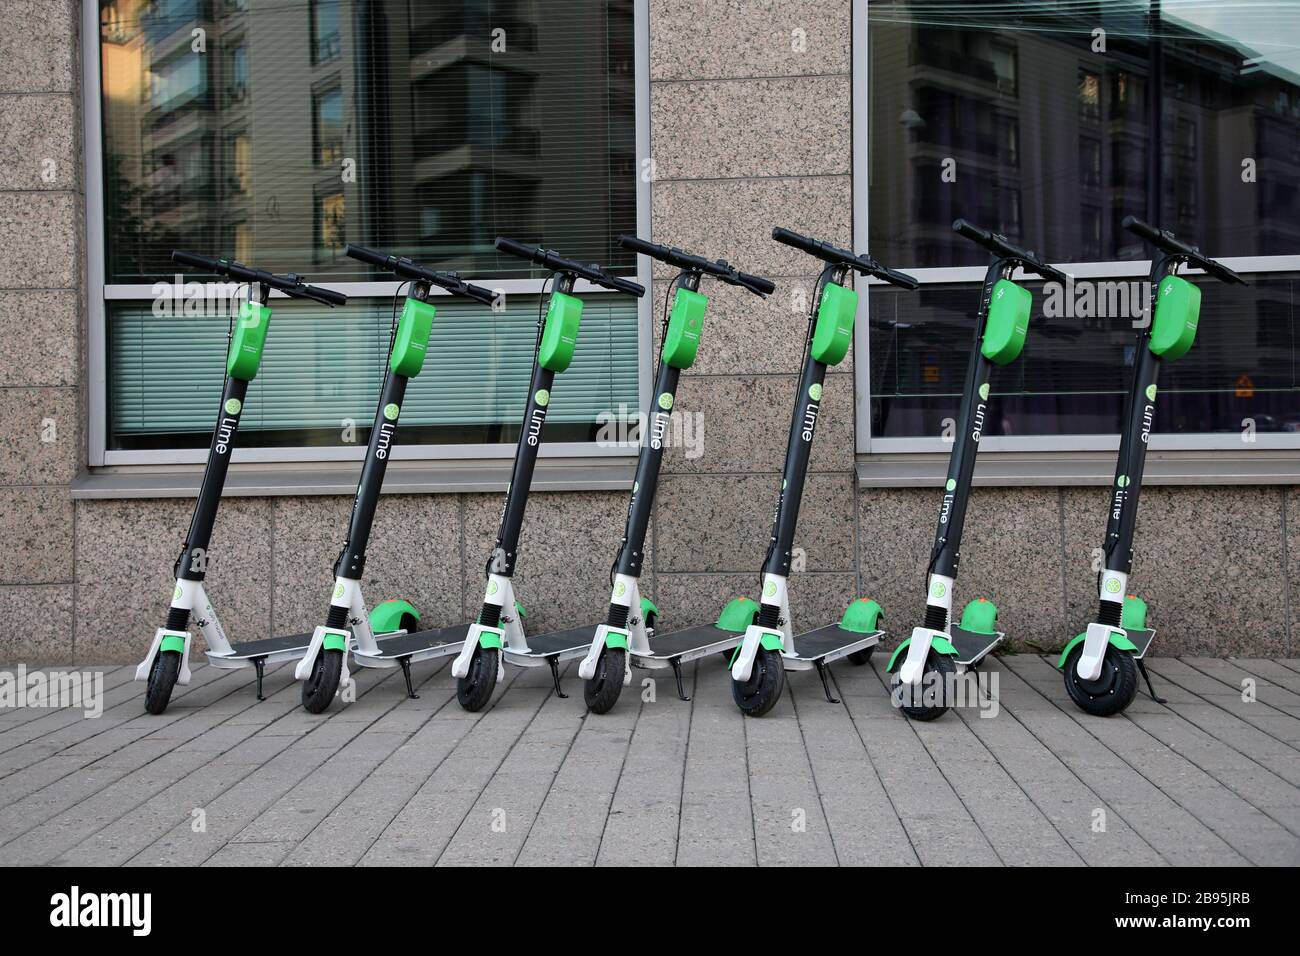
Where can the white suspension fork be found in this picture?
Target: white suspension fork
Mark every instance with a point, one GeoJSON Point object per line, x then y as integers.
{"type": "Point", "coordinates": [626, 593]}
{"type": "Point", "coordinates": [939, 593]}
{"type": "Point", "coordinates": [510, 632]}
{"type": "Point", "coordinates": [775, 591]}
{"type": "Point", "coordinates": [346, 594]}
{"type": "Point", "coordinates": [1113, 586]}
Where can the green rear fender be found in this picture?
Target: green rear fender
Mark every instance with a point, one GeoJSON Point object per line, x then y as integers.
{"type": "Point", "coordinates": [1134, 615]}
{"type": "Point", "coordinates": [862, 616]}
{"type": "Point", "coordinates": [1117, 639]}
{"type": "Point", "coordinates": [940, 644]}
{"type": "Point", "coordinates": [392, 616]}
{"type": "Point", "coordinates": [738, 614]}
{"type": "Point", "coordinates": [980, 616]}
{"type": "Point", "coordinates": [648, 608]}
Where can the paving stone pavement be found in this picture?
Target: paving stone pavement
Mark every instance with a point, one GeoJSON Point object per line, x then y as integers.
{"type": "Point", "coordinates": [1210, 778]}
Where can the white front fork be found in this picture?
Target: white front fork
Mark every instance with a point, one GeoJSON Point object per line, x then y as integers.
{"type": "Point", "coordinates": [1113, 586]}
{"type": "Point", "coordinates": [501, 592]}
{"type": "Point", "coordinates": [347, 594]}
{"type": "Point", "coordinates": [628, 594]}
{"type": "Point", "coordinates": [190, 596]}
{"type": "Point", "coordinates": [775, 591]}
{"type": "Point", "coordinates": [938, 593]}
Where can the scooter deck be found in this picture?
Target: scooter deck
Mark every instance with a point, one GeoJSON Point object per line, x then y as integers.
{"type": "Point", "coordinates": [285, 647]}
{"type": "Point", "coordinates": [827, 644]}
{"type": "Point", "coordinates": [418, 645]}
{"type": "Point", "coordinates": [562, 645]}
{"type": "Point", "coordinates": [1141, 639]}
{"type": "Point", "coordinates": [973, 646]}
{"type": "Point", "coordinates": [688, 645]}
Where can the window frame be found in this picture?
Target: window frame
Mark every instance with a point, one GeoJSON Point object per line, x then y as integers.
{"type": "Point", "coordinates": [1007, 448]}
{"type": "Point", "coordinates": [99, 293]}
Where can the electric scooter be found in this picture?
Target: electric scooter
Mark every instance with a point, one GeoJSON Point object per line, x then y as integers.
{"type": "Point", "coordinates": [478, 663]}
{"type": "Point", "coordinates": [769, 646]}
{"type": "Point", "coordinates": [1100, 666]}
{"type": "Point", "coordinates": [628, 631]}
{"type": "Point", "coordinates": [938, 650]}
{"type": "Point", "coordinates": [168, 660]}
{"type": "Point", "coordinates": [323, 668]}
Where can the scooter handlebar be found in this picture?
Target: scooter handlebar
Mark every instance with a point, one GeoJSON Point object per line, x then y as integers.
{"type": "Point", "coordinates": [1165, 240]}
{"type": "Point", "coordinates": [844, 257]}
{"type": "Point", "coordinates": [291, 285]}
{"type": "Point", "coordinates": [549, 259]}
{"type": "Point", "coordinates": [1003, 248]}
{"type": "Point", "coordinates": [408, 269]}
{"type": "Point", "coordinates": [719, 268]}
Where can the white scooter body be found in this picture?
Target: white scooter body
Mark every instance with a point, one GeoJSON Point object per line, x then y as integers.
{"type": "Point", "coordinates": [918, 650]}
{"type": "Point", "coordinates": [626, 592]}
{"type": "Point", "coordinates": [1114, 585]}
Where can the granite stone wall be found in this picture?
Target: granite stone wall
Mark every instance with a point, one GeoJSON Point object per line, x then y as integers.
{"type": "Point", "coordinates": [746, 134]}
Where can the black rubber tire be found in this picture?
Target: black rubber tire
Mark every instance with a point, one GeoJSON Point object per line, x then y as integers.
{"type": "Point", "coordinates": [862, 656]}
{"type": "Point", "coordinates": [323, 682]}
{"type": "Point", "coordinates": [474, 690]}
{"type": "Point", "coordinates": [601, 692]}
{"type": "Point", "coordinates": [1114, 688]}
{"type": "Point", "coordinates": [936, 663]}
{"type": "Point", "coordinates": [162, 679]}
{"type": "Point", "coordinates": [756, 696]}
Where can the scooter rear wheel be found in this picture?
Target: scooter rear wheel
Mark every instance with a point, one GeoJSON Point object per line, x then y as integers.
{"type": "Point", "coordinates": [756, 696]}
{"type": "Point", "coordinates": [323, 682]}
{"type": "Point", "coordinates": [162, 679]}
{"type": "Point", "coordinates": [1114, 688]}
{"type": "Point", "coordinates": [474, 690]}
{"type": "Point", "coordinates": [601, 692]}
{"type": "Point", "coordinates": [938, 667]}
{"type": "Point", "coordinates": [862, 656]}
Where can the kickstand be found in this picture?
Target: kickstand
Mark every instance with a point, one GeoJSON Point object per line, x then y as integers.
{"type": "Point", "coordinates": [677, 672]}
{"type": "Point", "coordinates": [1147, 677]}
{"type": "Point", "coordinates": [260, 664]}
{"type": "Point", "coordinates": [406, 672]}
{"type": "Point", "coordinates": [555, 676]}
{"type": "Point", "coordinates": [823, 671]}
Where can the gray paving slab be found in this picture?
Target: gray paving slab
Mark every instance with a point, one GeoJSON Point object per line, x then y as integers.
{"type": "Point", "coordinates": [1210, 777]}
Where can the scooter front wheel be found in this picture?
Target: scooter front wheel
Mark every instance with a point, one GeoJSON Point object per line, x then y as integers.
{"type": "Point", "coordinates": [323, 682]}
{"type": "Point", "coordinates": [601, 692]}
{"type": "Point", "coordinates": [1114, 688]}
{"type": "Point", "coordinates": [928, 701]}
{"type": "Point", "coordinates": [474, 690]}
{"type": "Point", "coordinates": [162, 679]}
{"type": "Point", "coordinates": [756, 696]}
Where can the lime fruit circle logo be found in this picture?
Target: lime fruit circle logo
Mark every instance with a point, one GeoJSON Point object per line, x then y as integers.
{"type": "Point", "coordinates": [620, 589]}
{"type": "Point", "coordinates": [233, 406]}
{"type": "Point", "coordinates": [937, 589]}
{"type": "Point", "coordinates": [1151, 393]}
{"type": "Point", "coordinates": [1112, 585]}
{"type": "Point", "coordinates": [177, 595]}
{"type": "Point", "coordinates": [543, 397]}
{"type": "Point", "coordinates": [338, 591]}
{"type": "Point", "coordinates": [984, 391]}
{"type": "Point", "coordinates": [666, 401]}
{"type": "Point", "coordinates": [492, 587]}
{"type": "Point", "coordinates": [952, 483]}
{"type": "Point", "coordinates": [390, 411]}
{"type": "Point", "coordinates": [1122, 481]}
{"type": "Point", "coordinates": [815, 392]}
{"type": "Point", "coordinates": [770, 588]}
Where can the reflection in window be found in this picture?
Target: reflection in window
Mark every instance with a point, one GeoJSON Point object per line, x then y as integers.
{"type": "Point", "coordinates": [237, 82]}
{"type": "Point", "coordinates": [329, 127]}
{"type": "Point", "coordinates": [1089, 95]}
{"type": "Point", "coordinates": [326, 43]}
{"type": "Point", "coordinates": [241, 163]}
{"type": "Point", "coordinates": [329, 227]}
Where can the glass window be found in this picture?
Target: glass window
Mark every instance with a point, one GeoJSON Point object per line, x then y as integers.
{"type": "Point", "coordinates": [396, 124]}
{"type": "Point", "coordinates": [1225, 133]}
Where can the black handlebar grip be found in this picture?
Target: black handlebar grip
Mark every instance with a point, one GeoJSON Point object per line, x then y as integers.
{"type": "Point", "coordinates": [810, 246]}
{"type": "Point", "coordinates": [758, 283]}
{"type": "Point", "coordinates": [362, 254]}
{"type": "Point", "coordinates": [902, 279]}
{"type": "Point", "coordinates": [328, 296]}
{"type": "Point", "coordinates": [478, 292]}
{"type": "Point", "coordinates": [964, 228]}
{"type": "Point", "coordinates": [637, 244]}
{"type": "Point", "coordinates": [512, 248]}
{"type": "Point", "coordinates": [195, 261]}
{"type": "Point", "coordinates": [1139, 228]}
{"type": "Point", "coordinates": [625, 285]}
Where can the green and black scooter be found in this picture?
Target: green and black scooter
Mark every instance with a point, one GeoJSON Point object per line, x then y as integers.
{"type": "Point", "coordinates": [628, 633]}
{"type": "Point", "coordinates": [770, 645]}
{"type": "Point", "coordinates": [925, 664]}
{"type": "Point", "coordinates": [168, 660]}
{"type": "Point", "coordinates": [324, 666]}
{"type": "Point", "coordinates": [499, 627]}
{"type": "Point", "coordinates": [1100, 666]}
